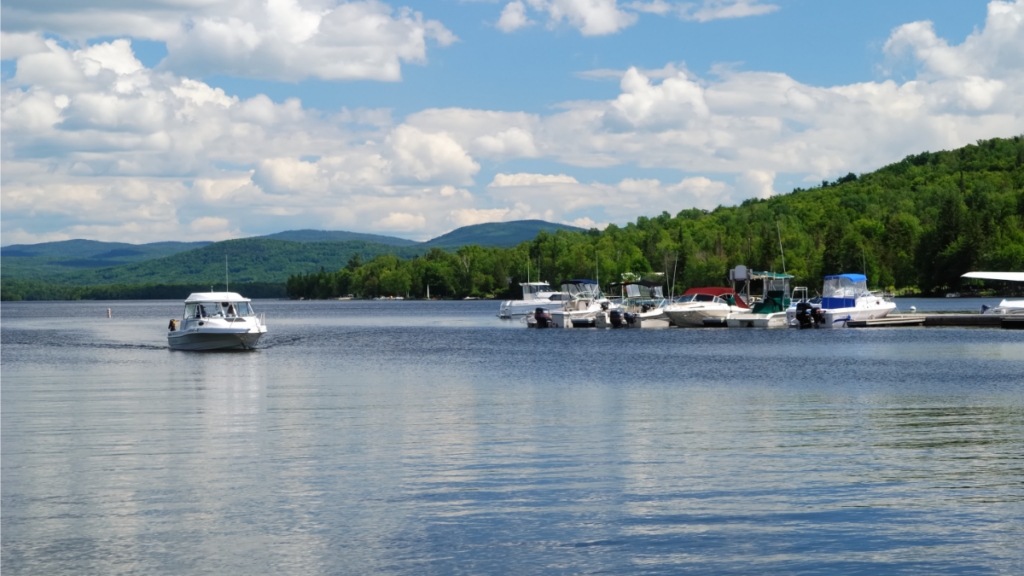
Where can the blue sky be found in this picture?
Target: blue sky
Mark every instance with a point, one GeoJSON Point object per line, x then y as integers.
{"type": "Point", "coordinates": [169, 120]}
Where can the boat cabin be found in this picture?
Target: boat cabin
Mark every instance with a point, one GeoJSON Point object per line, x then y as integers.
{"type": "Point", "coordinates": [217, 305]}
{"type": "Point", "coordinates": [536, 290]}
{"type": "Point", "coordinates": [843, 290]}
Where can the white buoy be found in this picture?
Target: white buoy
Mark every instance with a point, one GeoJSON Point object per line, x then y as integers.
{"type": "Point", "coordinates": [913, 309]}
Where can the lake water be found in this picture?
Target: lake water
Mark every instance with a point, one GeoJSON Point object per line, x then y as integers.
{"type": "Point", "coordinates": [433, 438]}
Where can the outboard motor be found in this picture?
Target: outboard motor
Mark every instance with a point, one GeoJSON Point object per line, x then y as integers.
{"type": "Point", "coordinates": [615, 318]}
{"type": "Point", "coordinates": [631, 318]}
{"type": "Point", "coordinates": [646, 308]}
{"type": "Point", "coordinates": [807, 316]}
{"type": "Point", "coordinates": [543, 317]}
{"type": "Point", "coordinates": [604, 306]}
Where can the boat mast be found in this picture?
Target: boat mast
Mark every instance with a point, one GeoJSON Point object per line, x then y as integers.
{"type": "Point", "coordinates": [226, 288]}
{"type": "Point", "coordinates": [781, 251]}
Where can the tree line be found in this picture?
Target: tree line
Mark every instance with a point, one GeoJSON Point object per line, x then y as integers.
{"type": "Point", "coordinates": [914, 225]}
{"type": "Point", "coordinates": [16, 290]}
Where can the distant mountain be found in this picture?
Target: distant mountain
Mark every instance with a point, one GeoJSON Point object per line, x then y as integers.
{"type": "Point", "coordinates": [249, 260]}
{"type": "Point", "coordinates": [498, 233]}
{"type": "Point", "coordinates": [97, 249]}
{"type": "Point", "coordinates": [269, 258]}
{"type": "Point", "coordinates": [49, 258]}
{"type": "Point", "coordinates": [337, 236]}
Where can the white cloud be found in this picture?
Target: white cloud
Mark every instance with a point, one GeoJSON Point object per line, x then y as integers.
{"type": "Point", "coordinates": [755, 184]}
{"type": "Point", "coordinates": [95, 143]}
{"type": "Point", "coordinates": [719, 9]}
{"type": "Point", "coordinates": [401, 221]}
{"type": "Point", "coordinates": [272, 39]}
{"type": "Point", "coordinates": [427, 157]}
{"type": "Point", "coordinates": [590, 17]}
{"type": "Point", "coordinates": [587, 223]}
{"type": "Point", "coordinates": [513, 17]}
{"type": "Point", "coordinates": [470, 216]}
{"type": "Point", "coordinates": [524, 179]}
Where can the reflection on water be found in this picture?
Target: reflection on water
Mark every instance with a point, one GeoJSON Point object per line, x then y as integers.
{"type": "Point", "coordinates": [414, 438]}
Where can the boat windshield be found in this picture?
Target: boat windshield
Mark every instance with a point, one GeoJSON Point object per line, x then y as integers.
{"type": "Point", "coordinates": [842, 287]}
{"type": "Point", "coordinates": [578, 290]}
{"type": "Point", "coordinates": [218, 309]}
{"type": "Point", "coordinates": [698, 298]}
{"type": "Point", "coordinates": [532, 289]}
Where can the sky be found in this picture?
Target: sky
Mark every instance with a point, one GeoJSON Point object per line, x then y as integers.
{"type": "Point", "coordinates": [143, 121]}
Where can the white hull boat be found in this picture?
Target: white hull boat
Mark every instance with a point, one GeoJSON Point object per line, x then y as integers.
{"type": "Point", "coordinates": [697, 304]}
{"type": "Point", "coordinates": [583, 302]}
{"type": "Point", "coordinates": [773, 320]}
{"type": "Point", "coordinates": [845, 298]}
{"type": "Point", "coordinates": [216, 321]}
{"type": "Point", "coordinates": [770, 312]}
{"type": "Point", "coordinates": [535, 295]}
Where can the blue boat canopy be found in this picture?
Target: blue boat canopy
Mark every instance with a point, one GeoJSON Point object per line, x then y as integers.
{"type": "Point", "coordinates": [580, 282]}
{"type": "Point", "coordinates": [850, 277]}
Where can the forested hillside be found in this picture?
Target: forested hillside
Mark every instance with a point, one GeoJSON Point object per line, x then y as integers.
{"type": "Point", "coordinates": [33, 261]}
{"type": "Point", "coordinates": [916, 224]}
{"type": "Point", "coordinates": [497, 234]}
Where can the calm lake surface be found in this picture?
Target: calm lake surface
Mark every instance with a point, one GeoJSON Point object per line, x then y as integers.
{"type": "Point", "coordinates": [433, 438]}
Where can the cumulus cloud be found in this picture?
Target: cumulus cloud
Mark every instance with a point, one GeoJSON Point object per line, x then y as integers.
{"type": "Point", "coordinates": [268, 39]}
{"type": "Point", "coordinates": [97, 144]}
{"type": "Point", "coordinates": [401, 222]}
{"type": "Point", "coordinates": [513, 17]}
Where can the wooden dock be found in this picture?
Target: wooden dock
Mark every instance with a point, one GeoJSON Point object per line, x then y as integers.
{"type": "Point", "coordinates": [891, 320]}
{"type": "Point", "coordinates": [980, 320]}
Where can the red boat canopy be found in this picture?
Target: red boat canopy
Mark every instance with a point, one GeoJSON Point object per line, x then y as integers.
{"type": "Point", "coordinates": [720, 292]}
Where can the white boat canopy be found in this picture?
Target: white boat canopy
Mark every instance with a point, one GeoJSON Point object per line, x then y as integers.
{"type": "Point", "coordinates": [1004, 276]}
{"type": "Point", "coordinates": [197, 297]}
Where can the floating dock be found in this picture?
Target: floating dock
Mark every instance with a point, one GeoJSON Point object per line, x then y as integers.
{"type": "Point", "coordinates": [981, 320]}
{"type": "Point", "coordinates": [891, 320]}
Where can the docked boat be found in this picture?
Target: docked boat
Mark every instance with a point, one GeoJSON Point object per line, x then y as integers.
{"type": "Point", "coordinates": [584, 300]}
{"type": "Point", "coordinates": [216, 321]}
{"type": "Point", "coordinates": [642, 305]}
{"type": "Point", "coordinates": [1006, 306]}
{"type": "Point", "coordinates": [535, 295]}
{"type": "Point", "coordinates": [845, 298]}
{"type": "Point", "coordinates": [770, 311]}
{"type": "Point", "coordinates": [697, 304]}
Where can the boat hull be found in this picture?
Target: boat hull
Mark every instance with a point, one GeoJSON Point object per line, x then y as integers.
{"type": "Point", "coordinates": [694, 317]}
{"type": "Point", "coordinates": [773, 320]}
{"type": "Point", "coordinates": [213, 340]}
{"type": "Point", "coordinates": [838, 318]}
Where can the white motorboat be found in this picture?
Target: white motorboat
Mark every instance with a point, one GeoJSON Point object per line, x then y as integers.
{"type": "Point", "coordinates": [697, 304]}
{"type": "Point", "coordinates": [845, 298]}
{"type": "Point", "coordinates": [535, 295]}
{"type": "Point", "coordinates": [642, 305]}
{"type": "Point", "coordinates": [1006, 306]}
{"type": "Point", "coordinates": [770, 311]}
{"type": "Point", "coordinates": [582, 306]}
{"type": "Point", "coordinates": [216, 321]}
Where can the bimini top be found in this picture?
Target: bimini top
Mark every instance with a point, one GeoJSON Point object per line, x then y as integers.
{"type": "Point", "coordinates": [579, 282]}
{"type": "Point", "coordinates": [215, 297]}
{"type": "Point", "coordinates": [1004, 276]}
{"type": "Point", "coordinates": [720, 292]}
{"type": "Point", "coordinates": [850, 277]}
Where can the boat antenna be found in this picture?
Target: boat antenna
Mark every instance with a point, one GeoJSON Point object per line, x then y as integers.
{"type": "Point", "coordinates": [226, 288]}
{"type": "Point", "coordinates": [781, 251]}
